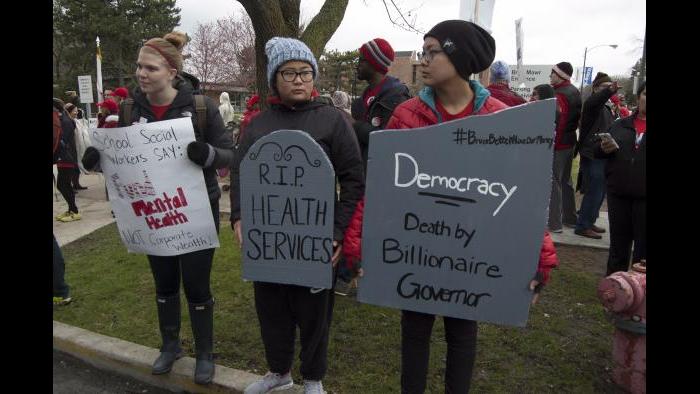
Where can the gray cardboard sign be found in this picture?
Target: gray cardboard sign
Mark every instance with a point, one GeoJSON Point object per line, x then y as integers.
{"type": "Point", "coordinates": [455, 214]}
{"type": "Point", "coordinates": [287, 205]}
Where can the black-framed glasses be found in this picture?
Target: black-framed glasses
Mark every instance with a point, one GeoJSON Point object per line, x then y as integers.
{"type": "Point", "coordinates": [428, 55]}
{"type": "Point", "coordinates": [291, 75]}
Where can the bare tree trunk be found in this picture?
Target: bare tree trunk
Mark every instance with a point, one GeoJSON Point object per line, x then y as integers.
{"type": "Point", "coordinates": [272, 18]}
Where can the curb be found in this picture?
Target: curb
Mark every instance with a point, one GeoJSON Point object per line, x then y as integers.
{"type": "Point", "coordinates": [134, 360]}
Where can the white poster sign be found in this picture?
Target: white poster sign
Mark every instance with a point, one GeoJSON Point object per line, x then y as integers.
{"type": "Point", "coordinates": [85, 87]}
{"type": "Point", "coordinates": [158, 195]}
{"type": "Point", "coordinates": [523, 79]}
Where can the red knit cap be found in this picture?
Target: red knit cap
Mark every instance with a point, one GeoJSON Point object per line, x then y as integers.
{"type": "Point", "coordinates": [110, 104]}
{"type": "Point", "coordinates": [378, 53]}
{"type": "Point", "coordinates": [121, 92]}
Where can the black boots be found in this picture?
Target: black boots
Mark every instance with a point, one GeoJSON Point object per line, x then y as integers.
{"type": "Point", "coordinates": [169, 322]}
{"type": "Point", "coordinates": [202, 318]}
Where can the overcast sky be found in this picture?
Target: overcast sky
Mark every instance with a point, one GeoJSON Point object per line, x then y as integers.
{"type": "Point", "coordinates": [554, 30]}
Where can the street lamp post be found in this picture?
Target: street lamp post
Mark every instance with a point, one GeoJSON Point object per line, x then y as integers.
{"type": "Point", "coordinates": [583, 70]}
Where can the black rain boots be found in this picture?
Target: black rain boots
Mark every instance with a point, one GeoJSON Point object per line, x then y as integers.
{"type": "Point", "coordinates": [169, 322]}
{"type": "Point", "coordinates": [202, 318]}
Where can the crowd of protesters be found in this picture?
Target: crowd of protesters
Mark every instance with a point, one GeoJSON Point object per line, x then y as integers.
{"type": "Point", "coordinates": [610, 141]}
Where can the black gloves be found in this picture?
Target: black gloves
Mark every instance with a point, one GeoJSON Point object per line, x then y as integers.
{"type": "Point", "coordinates": [198, 152]}
{"type": "Point", "coordinates": [90, 158]}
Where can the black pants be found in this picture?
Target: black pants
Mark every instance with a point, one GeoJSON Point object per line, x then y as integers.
{"type": "Point", "coordinates": [75, 179]}
{"type": "Point", "coordinates": [460, 335]}
{"type": "Point", "coordinates": [628, 223]}
{"type": "Point", "coordinates": [60, 287]}
{"type": "Point", "coordinates": [63, 184]}
{"type": "Point", "coordinates": [194, 268]}
{"type": "Point", "coordinates": [281, 308]}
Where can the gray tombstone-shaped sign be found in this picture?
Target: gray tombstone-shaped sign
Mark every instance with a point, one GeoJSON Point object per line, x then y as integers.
{"type": "Point", "coordinates": [287, 205]}
{"type": "Point", "coordinates": [455, 214]}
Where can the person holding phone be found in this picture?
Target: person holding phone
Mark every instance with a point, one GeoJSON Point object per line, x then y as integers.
{"type": "Point", "coordinates": [625, 148]}
{"type": "Point", "coordinates": [596, 117]}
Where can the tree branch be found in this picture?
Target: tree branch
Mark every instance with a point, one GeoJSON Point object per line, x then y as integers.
{"type": "Point", "coordinates": [324, 24]}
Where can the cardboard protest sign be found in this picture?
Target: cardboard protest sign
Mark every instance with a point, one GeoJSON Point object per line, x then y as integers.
{"type": "Point", "coordinates": [455, 214]}
{"type": "Point", "coordinates": [287, 206]}
{"type": "Point", "coordinates": [157, 194]}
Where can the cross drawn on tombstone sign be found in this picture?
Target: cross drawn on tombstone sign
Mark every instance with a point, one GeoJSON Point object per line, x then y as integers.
{"type": "Point", "coordinates": [287, 211]}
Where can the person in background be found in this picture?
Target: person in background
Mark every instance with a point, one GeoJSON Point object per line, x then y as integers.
{"type": "Point", "coordinates": [562, 207]}
{"type": "Point", "coordinates": [542, 92]}
{"type": "Point", "coordinates": [66, 161]}
{"type": "Point", "coordinates": [374, 107]}
{"type": "Point", "coordinates": [252, 109]}
{"type": "Point", "coordinates": [82, 141]}
{"type": "Point", "coordinates": [341, 100]}
{"type": "Point", "coordinates": [110, 114]}
{"type": "Point", "coordinates": [61, 290]}
{"type": "Point", "coordinates": [119, 94]}
{"type": "Point", "coordinates": [625, 148]}
{"type": "Point", "coordinates": [500, 85]}
{"type": "Point", "coordinates": [596, 117]}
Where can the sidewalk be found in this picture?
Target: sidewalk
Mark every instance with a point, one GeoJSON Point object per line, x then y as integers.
{"type": "Point", "coordinates": [92, 205]}
{"type": "Point", "coordinates": [134, 360]}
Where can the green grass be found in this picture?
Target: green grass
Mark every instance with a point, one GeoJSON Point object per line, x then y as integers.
{"type": "Point", "coordinates": [566, 346]}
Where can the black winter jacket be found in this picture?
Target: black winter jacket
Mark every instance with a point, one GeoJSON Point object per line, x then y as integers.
{"type": "Point", "coordinates": [67, 151]}
{"type": "Point", "coordinates": [332, 131]}
{"type": "Point", "coordinates": [393, 93]}
{"type": "Point", "coordinates": [596, 117]}
{"type": "Point", "coordinates": [626, 169]}
{"type": "Point", "coordinates": [183, 105]}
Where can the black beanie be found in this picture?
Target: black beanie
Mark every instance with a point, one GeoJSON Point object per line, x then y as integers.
{"type": "Point", "coordinates": [470, 48]}
{"type": "Point", "coordinates": [600, 78]}
{"type": "Point", "coordinates": [564, 70]}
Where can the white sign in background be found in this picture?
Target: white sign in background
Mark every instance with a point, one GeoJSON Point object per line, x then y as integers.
{"type": "Point", "coordinates": [158, 195]}
{"type": "Point", "coordinates": [85, 87]}
{"type": "Point", "coordinates": [524, 80]}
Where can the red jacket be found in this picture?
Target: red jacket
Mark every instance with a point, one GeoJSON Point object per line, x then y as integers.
{"type": "Point", "coordinates": [417, 112]}
{"type": "Point", "coordinates": [503, 93]}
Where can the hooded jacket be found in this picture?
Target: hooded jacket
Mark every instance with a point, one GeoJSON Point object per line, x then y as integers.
{"type": "Point", "coordinates": [331, 130]}
{"type": "Point", "coordinates": [225, 109]}
{"type": "Point", "coordinates": [67, 151]}
{"type": "Point", "coordinates": [392, 93]}
{"type": "Point", "coordinates": [420, 112]}
{"type": "Point", "coordinates": [183, 105]}
{"type": "Point", "coordinates": [626, 169]}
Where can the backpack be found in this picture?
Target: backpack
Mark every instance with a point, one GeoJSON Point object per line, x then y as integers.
{"type": "Point", "coordinates": [199, 104]}
{"type": "Point", "coordinates": [57, 131]}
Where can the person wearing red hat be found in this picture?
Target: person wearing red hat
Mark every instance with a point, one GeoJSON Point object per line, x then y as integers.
{"type": "Point", "coordinates": [373, 109]}
{"type": "Point", "coordinates": [120, 94]}
{"type": "Point", "coordinates": [110, 111]}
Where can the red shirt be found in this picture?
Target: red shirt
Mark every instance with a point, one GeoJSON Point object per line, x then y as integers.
{"type": "Point", "coordinates": [159, 110]}
{"type": "Point", "coordinates": [371, 93]}
{"type": "Point", "coordinates": [447, 116]}
{"type": "Point", "coordinates": [641, 126]}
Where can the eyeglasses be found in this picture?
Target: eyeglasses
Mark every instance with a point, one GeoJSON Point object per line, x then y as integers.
{"type": "Point", "coordinates": [291, 75]}
{"type": "Point", "coordinates": [428, 55]}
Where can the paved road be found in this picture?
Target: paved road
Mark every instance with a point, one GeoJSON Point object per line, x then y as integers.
{"type": "Point", "coordinates": [73, 376]}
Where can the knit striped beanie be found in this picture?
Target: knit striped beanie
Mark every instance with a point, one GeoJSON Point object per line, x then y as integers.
{"type": "Point", "coordinates": [280, 50]}
{"type": "Point", "coordinates": [378, 53]}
